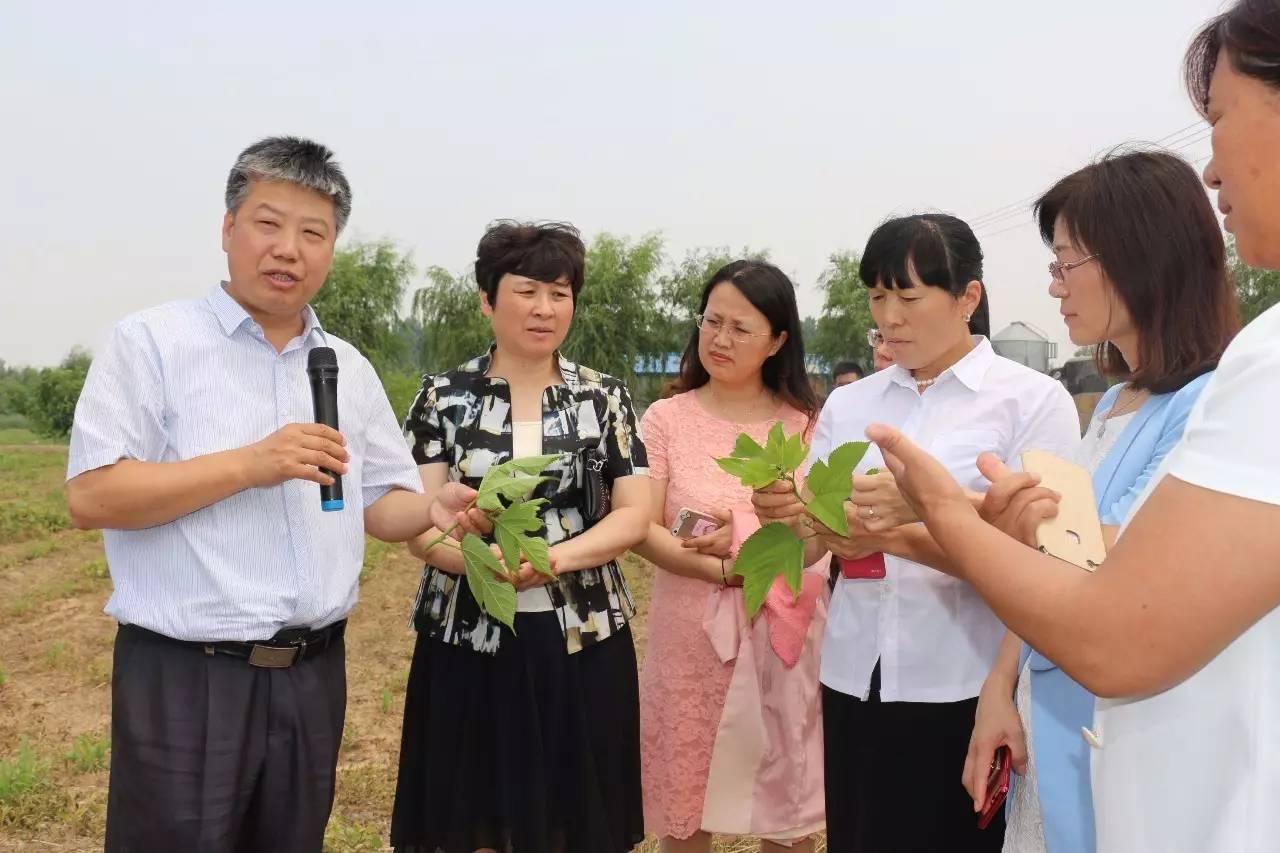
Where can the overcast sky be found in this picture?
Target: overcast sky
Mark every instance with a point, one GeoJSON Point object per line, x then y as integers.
{"type": "Point", "coordinates": [793, 127]}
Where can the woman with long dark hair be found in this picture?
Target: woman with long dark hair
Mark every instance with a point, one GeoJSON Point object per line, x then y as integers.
{"type": "Point", "coordinates": [729, 711]}
{"type": "Point", "coordinates": [907, 649]}
{"type": "Point", "coordinates": [1179, 628]}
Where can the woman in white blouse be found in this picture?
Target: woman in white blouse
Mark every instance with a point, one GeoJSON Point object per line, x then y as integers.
{"type": "Point", "coordinates": [1181, 625]}
{"type": "Point", "coordinates": [907, 648]}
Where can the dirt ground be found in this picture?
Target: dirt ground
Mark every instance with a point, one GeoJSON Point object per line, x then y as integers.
{"type": "Point", "coordinates": [55, 674]}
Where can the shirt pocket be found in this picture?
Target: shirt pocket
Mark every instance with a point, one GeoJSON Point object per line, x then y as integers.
{"type": "Point", "coordinates": [959, 449]}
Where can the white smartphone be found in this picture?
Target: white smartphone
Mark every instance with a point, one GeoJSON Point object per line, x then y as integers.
{"type": "Point", "coordinates": [690, 524]}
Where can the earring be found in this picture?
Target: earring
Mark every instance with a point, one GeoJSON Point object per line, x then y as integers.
{"type": "Point", "coordinates": [966, 317]}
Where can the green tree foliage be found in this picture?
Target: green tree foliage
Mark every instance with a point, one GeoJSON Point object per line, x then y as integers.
{"type": "Point", "coordinates": [846, 313]}
{"type": "Point", "coordinates": [15, 389]}
{"type": "Point", "coordinates": [633, 306]}
{"type": "Point", "coordinates": [50, 403]}
{"type": "Point", "coordinates": [1257, 290]}
{"type": "Point", "coordinates": [617, 321]}
{"type": "Point", "coordinates": [447, 309]}
{"type": "Point", "coordinates": [362, 298]}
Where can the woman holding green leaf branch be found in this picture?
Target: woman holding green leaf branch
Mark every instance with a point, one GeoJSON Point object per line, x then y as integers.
{"type": "Point", "coordinates": [730, 709]}
{"type": "Point", "coordinates": [521, 729]}
{"type": "Point", "coordinates": [907, 648]}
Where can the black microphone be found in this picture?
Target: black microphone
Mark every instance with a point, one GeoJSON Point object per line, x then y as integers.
{"type": "Point", "coordinates": [322, 367]}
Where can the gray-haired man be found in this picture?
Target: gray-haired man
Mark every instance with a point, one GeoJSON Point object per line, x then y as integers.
{"type": "Point", "coordinates": [193, 449]}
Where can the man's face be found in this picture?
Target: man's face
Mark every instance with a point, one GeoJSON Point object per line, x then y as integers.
{"type": "Point", "coordinates": [843, 379]}
{"type": "Point", "coordinates": [279, 246]}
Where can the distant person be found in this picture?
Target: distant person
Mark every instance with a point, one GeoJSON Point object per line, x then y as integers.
{"type": "Point", "coordinates": [881, 354]}
{"type": "Point", "coordinates": [846, 373]}
{"type": "Point", "coordinates": [194, 449]}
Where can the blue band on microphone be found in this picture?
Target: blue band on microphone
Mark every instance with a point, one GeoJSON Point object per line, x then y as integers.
{"type": "Point", "coordinates": [331, 506]}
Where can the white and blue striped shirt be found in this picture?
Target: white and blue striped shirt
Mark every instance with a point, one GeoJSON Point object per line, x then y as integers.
{"type": "Point", "coordinates": [191, 378]}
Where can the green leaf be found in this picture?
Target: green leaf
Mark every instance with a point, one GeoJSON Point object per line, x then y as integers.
{"type": "Point", "coordinates": [753, 473]}
{"type": "Point", "coordinates": [746, 448]}
{"type": "Point", "coordinates": [484, 576]}
{"type": "Point", "coordinates": [503, 484]}
{"type": "Point", "coordinates": [771, 551]}
{"type": "Point", "coordinates": [511, 529]}
{"type": "Point", "coordinates": [773, 448]}
{"type": "Point", "coordinates": [829, 509]}
{"type": "Point", "coordinates": [831, 483]}
{"type": "Point", "coordinates": [531, 465]}
{"type": "Point", "coordinates": [794, 453]}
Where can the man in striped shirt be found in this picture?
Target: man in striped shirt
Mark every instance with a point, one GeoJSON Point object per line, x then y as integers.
{"type": "Point", "coordinates": [193, 449]}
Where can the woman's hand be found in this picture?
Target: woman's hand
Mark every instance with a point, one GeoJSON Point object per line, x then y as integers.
{"type": "Point", "coordinates": [878, 503]}
{"type": "Point", "coordinates": [927, 487]}
{"type": "Point", "coordinates": [779, 503]}
{"type": "Point", "coordinates": [718, 543]}
{"type": "Point", "coordinates": [526, 576]}
{"type": "Point", "coordinates": [995, 724]}
{"type": "Point", "coordinates": [861, 542]}
{"type": "Point", "coordinates": [1015, 504]}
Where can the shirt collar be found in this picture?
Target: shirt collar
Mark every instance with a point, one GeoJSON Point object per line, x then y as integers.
{"type": "Point", "coordinates": [231, 314]}
{"type": "Point", "coordinates": [969, 370]}
{"type": "Point", "coordinates": [569, 370]}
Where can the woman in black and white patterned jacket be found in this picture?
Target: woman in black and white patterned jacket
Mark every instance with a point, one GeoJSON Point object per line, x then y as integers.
{"type": "Point", "coordinates": [527, 740]}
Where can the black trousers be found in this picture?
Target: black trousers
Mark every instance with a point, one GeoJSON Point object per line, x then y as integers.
{"type": "Point", "coordinates": [893, 777]}
{"type": "Point", "coordinates": [209, 753]}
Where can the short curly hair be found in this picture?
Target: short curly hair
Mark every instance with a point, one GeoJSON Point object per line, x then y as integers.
{"type": "Point", "coordinates": [543, 251]}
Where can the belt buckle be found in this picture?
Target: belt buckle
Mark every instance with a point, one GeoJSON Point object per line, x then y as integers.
{"type": "Point", "coordinates": [275, 657]}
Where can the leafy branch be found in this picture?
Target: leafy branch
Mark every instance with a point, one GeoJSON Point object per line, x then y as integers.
{"type": "Point", "coordinates": [504, 497]}
{"type": "Point", "coordinates": [775, 549]}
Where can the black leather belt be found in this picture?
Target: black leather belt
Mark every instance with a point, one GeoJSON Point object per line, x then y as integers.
{"type": "Point", "coordinates": [288, 647]}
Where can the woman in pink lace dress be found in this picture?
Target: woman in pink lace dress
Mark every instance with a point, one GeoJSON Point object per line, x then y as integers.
{"type": "Point", "coordinates": [730, 719]}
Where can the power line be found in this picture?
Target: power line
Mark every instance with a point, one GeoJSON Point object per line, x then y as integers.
{"type": "Point", "coordinates": [1179, 140]}
{"type": "Point", "coordinates": [1172, 138]}
{"type": "Point", "coordinates": [991, 234]}
{"type": "Point", "coordinates": [1168, 140]}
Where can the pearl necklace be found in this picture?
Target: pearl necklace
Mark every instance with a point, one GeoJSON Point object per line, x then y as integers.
{"type": "Point", "coordinates": [922, 384]}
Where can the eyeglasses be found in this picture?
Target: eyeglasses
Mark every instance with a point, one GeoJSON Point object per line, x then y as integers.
{"type": "Point", "coordinates": [736, 334]}
{"type": "Point", "coordinates": [874, 338]}
{"type": "Point", "coordinates": [1058, 269]}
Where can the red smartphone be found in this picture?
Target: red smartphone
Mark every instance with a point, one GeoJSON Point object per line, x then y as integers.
{"type": "Point", "coordinates": [870, 567]}
{"type": "Point", "coordinates": [997, 786]}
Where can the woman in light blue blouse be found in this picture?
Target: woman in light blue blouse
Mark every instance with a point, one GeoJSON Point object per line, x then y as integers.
{"type": "Point", "coordinates": [1160, 317]}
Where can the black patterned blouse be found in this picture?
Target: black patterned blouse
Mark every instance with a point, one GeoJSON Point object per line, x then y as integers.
{"type": "Point", "coordinates": [463, 417]}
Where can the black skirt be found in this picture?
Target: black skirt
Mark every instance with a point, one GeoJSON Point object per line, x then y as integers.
{"type": "Point", "coordinates": [893, 777]}
{"type": "Point", "coordinates": [531, 750]}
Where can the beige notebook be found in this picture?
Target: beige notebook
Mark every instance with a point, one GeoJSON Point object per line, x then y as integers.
{"type": "Point", "coordinates": [1075, 535]}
